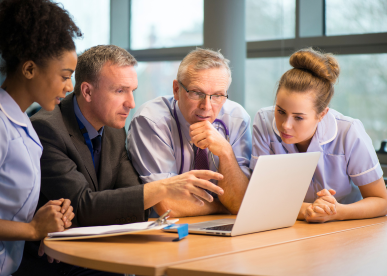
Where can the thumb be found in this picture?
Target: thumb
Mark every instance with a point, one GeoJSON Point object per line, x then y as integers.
{"type": "Point", "coordinates": [324, 192]}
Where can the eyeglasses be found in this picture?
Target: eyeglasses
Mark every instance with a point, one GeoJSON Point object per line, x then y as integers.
{"type": "Point", "coordinates": [197, 96]}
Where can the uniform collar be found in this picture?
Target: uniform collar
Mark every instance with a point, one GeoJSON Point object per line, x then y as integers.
{"type": "Point", "coordinates": [327, 129]}
{"type": "Point", "coordinates": [326, 132]}
{"type": "Point", "coordinates": [11, 109]}
{"type": "Point", "coordinates": [13, 112]}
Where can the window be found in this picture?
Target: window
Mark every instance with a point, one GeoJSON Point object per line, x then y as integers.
{"type": "Point", "coordinates": [262, 76]}
{"type": "Point", "coordinates": [94, 22]}
{"type": "Point", "coordinates": [181, 23]}
{"type": "Point", "coordinates": [354, 30]}
{"type": "Point", "coordinates": [93, 18]}
{"type": "Point", "coordinates": [270, 19]}
{"type": "Point", "coordinates": [356, 16]}
{"type": "Point", "coordinates": [154, 79]}
{"type": "Point", "coordinates": [361, 92]}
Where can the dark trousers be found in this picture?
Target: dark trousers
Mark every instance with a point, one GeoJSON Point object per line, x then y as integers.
{"type": "Point", "coordinates": [33, 265]}
{"type": "Point", "coordinates": [80, 271]}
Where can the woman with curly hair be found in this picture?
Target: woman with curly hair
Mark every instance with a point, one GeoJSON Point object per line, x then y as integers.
{"type": "Point", "coordinates": [36, 44]}
{"type": "Point", "coordinates": [348, 182]}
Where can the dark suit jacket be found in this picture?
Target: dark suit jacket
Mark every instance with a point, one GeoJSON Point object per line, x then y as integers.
{"type": "Point", "coordinates": [115, 196]}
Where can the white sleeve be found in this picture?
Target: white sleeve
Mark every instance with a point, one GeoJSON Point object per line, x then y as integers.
{"type": "Point", "coordinates": [363, 164]}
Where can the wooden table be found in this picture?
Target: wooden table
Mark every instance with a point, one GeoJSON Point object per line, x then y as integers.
{"type": "Point", "coordinates": [360, 251]}
{"type": "Point", "coordinates": [153, 253]}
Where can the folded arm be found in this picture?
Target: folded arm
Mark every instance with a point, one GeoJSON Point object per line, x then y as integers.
{"type": "Point", "coordinates": [373, 204]}
{"type": "Point", "coordinates": [54, 216]}
{"type": "Point", "coordinates": [326, 208]}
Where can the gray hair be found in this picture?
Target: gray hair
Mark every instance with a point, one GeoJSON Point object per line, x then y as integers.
{"type": "Point", "coordinates": [92, 60]}
{"type": "Point", "coordinates": [202, 59]}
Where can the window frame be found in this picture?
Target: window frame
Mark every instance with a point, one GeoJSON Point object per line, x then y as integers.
{"type": "Point", "coordinates": [370, 43]}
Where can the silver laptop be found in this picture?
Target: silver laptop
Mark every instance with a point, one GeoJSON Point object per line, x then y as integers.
{"type": "Point", "coordinates": [273, 198]}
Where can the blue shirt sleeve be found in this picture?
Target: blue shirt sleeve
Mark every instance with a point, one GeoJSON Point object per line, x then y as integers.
{"type": "Point", "coordinates": [363, 164]}
{"type": "Point", "coordinates": [242, 146]}
{"type": "Point", "coordinates": [150, 150]}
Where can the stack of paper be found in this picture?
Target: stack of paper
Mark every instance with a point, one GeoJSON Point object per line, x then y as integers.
{"type": "Point", "coordinates": [106, 231]}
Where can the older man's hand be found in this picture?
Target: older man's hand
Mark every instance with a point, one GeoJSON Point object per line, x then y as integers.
{"type": "Point", "coordinates": [204, 135]}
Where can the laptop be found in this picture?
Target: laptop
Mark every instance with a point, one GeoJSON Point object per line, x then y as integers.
{"type": "Point", "coordinates": [273, 197]}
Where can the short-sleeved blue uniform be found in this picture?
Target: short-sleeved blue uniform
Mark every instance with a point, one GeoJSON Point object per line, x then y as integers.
{"type": "Point", "coordinates": [348, 159]}
{"type": "Point", "coordinates": [20, 152]}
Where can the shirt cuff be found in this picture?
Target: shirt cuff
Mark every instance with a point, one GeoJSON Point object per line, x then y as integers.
{"type": "Point", "coordinates": [253, 162]}
{"type": "Point", "coordinates": [246, 171]}
{"type": "Point", "coordinates": [156, 177]}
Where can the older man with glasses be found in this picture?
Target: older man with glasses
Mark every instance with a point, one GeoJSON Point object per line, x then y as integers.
{"type": "Point", "coordinates": [197, 128]}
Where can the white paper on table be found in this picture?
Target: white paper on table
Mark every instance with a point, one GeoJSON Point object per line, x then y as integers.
{"type": "Point", "coordinates": [108, 230]}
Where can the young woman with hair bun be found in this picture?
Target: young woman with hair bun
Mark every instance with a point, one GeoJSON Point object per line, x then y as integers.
{"type": "Point", "coordinates": [38, 58]}
{"type": "Point", "coordinates": [348, 181]}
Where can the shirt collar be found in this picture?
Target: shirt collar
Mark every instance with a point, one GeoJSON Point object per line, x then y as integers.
{"type": "Point", "coordinates": [325, 133]}
{"type": "Point", "coordinates": [11, 109]}
{"type": "Point", "coordinates": [327, 129]}
{"type": "Point", "coordinates": [90, 129]}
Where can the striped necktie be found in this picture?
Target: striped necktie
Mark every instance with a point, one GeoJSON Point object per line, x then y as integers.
{"type": "Point", "coordinates": [201, 159]}
{"type": "Point", "coordinates": [201, 163]}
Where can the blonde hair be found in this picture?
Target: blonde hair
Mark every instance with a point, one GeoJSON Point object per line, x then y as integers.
{"type": "Point", "coordinates": [201, 59]}
{"type": "Point", "coordinates": [92, 60]}
{"type": "Point", "coordinates": [313, 71]}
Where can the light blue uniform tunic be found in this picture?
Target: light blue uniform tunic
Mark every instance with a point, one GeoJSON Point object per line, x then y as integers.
{"type": "Point", "coordinates": [153, 139]}
{"type": "Point", "coordinates": [347, 159]}
{"type": "Point", "coordinates": [20, 152]}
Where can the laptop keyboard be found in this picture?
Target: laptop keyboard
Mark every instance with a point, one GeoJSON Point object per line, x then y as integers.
{"type": "Point", "coordinates": [227, 227]}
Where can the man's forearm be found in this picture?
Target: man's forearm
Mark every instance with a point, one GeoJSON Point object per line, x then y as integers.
{"type": "Point", "coordinates": [187, 190]}
{"type": "Point", "coordinates": [154, 192]}
{"type": "Point", "coordinates": [185, 208]}
{"type": "Point", "coordinates": [155, 195]}
{"type": "Point", "coordinates": [234, 182]}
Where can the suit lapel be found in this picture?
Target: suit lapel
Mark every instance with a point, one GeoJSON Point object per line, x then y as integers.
{"type": "Point", "coordinates": [105, 172]}
{"type": "Point", "coordinates": [71, 124]}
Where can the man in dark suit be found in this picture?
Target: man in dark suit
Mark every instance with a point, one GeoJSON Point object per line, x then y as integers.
{"type": "Point", "coordinates": [84, 156]}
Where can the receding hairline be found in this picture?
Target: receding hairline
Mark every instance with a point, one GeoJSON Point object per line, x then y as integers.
{"type": "Point", "coordinates": [190, 68]}
{"type": "Point", "coordinates": [202, 59]}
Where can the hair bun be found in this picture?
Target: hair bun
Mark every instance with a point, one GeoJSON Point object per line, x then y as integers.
{"type": "Point", "coordinates": [322, 65]}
